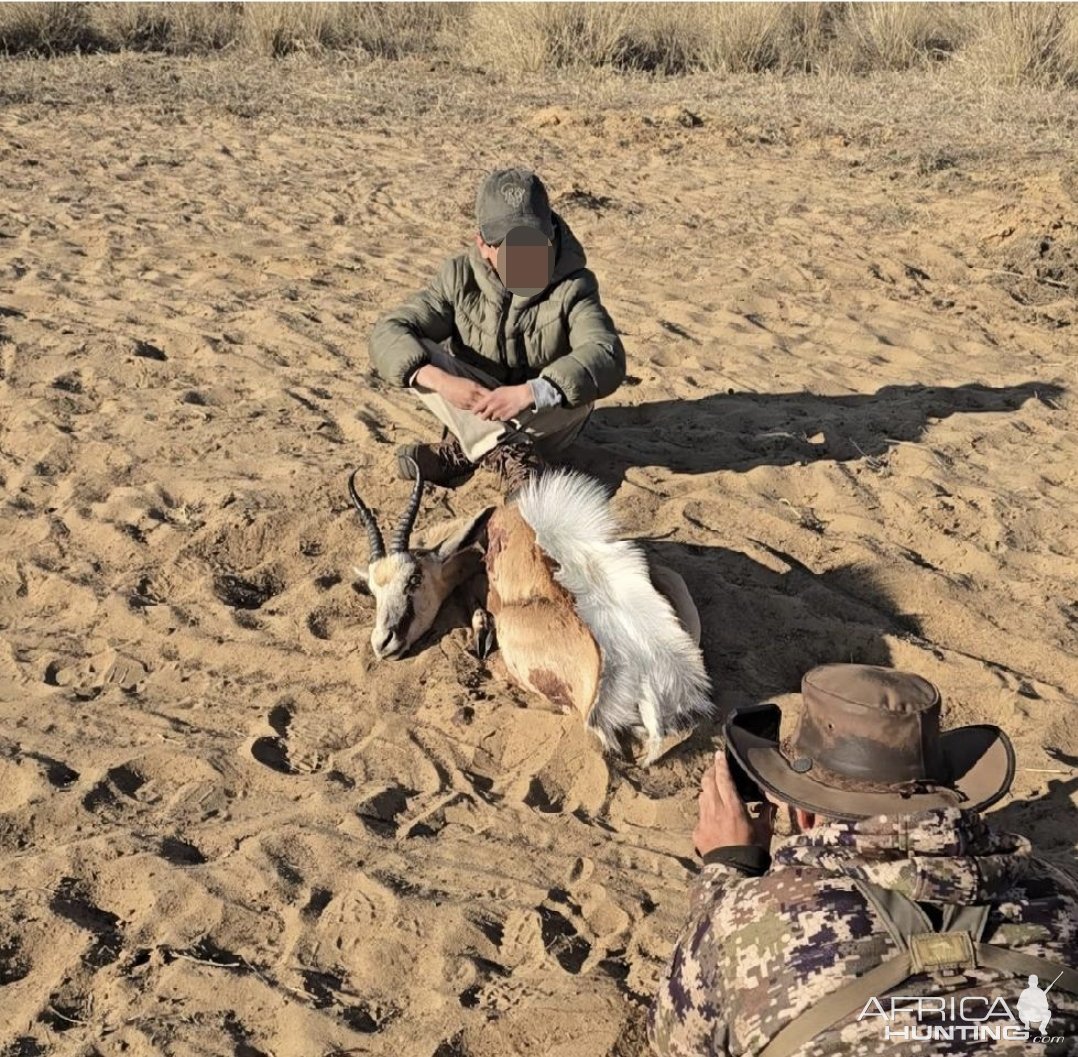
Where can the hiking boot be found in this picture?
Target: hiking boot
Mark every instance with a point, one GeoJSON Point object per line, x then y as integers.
{"type": "Point", "coordinates": [516, 463]}
{"type": "Point", "coordinates": [442, 464]}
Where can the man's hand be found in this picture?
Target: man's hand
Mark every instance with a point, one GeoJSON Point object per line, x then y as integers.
{"type": "Point", "coordinates": [504, 403]}
{"type": "Point", "coordinates": [462, 393]}
{"type": "Point", "coordinates": [724, 821]}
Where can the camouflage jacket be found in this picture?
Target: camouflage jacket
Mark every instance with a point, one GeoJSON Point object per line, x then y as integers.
{"type": "Point", "coordinates": [757, 951]}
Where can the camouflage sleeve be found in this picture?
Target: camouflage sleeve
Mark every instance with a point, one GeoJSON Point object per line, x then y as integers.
{"type": "Point", "coordinates": [687, 1018]}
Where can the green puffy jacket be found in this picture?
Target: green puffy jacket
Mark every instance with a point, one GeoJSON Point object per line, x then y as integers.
{"type": "Point", "coordinates": [562, 334]}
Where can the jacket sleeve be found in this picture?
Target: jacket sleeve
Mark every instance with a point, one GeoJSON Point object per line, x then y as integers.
{"type": "Point", "coordinates": [687, 1018]}
{"type": "Point", "coordinates": [396, 342]}
{"type": "Point", "coordinates": [595, 365]}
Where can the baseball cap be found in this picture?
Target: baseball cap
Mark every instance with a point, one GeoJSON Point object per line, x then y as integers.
{"type": "Point", "coordinates": [511, 198]}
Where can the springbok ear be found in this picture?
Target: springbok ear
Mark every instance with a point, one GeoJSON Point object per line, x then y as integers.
{"type": "Point", "coordinates": [465, 536]}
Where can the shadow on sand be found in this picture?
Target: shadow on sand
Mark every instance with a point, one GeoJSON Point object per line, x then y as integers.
{"type": "Point", "coordinates": [1049, 818]}
{"type": "Point", "coordinates": [740, 431]}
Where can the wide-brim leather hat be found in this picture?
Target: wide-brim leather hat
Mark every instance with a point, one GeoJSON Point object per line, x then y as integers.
{"type": "Point", "coordinates": [868, 742]}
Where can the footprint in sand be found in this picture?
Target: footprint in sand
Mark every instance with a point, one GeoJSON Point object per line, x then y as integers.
{"type": "Point", "coordinates": [329, 990]}
{"type": "Point", "coordinates": [180, 852]}
{"type": "Point", "coordinates": [89, 677]}
{"type": "Point", "coordinates": [278, 752]}
{"type": "Point", "coordinates": [72, 904]}
{"type": "Point", "coordinates": [272, 752]}
{"type": "Point", "coordinates": [119, 784]}
{"type": "Point", "coordinates": [28, 776]}
{"type": "Point", "coordinates": [15, 964]}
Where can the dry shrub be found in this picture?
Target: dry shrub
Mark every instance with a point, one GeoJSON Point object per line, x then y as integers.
{"type": "Point", "coordinates": [897, 36]}
{"type": "Point", "coordinates": [1026, 44]}
{"type": "Point", "coordinates": [394, 30]}
{"type": "Point", "coordinates": [533, 36]}
{"type": "Point", "coordinates": [661, 38]}
{"type": "Point", "coordinates": [281, 29]}
{"type": "Point", "coordinates": [388, 30]}
{"type": "Point", "coordinates": [140, 27]}
{"type": "Point", "coordinates": [744, 37]}
{"type": "Point", "coordinates": [46, 29]}
{"type": "Point", "coordinates": [657, 37]}
{"type": "Point", "coordinates": [173, 27]}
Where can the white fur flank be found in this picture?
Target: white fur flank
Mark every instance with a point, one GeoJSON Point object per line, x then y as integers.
{"type": "Point", "coordinates": [652, 671]}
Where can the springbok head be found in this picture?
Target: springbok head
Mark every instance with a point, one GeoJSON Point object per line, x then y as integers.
{"type": "Point", "coordinates": [409, 584]}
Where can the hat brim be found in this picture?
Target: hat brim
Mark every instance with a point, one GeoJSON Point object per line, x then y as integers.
{"type": "Point", "coordinates": [494, 232]}
{"type": "Point", "coordinates": [981, 758]}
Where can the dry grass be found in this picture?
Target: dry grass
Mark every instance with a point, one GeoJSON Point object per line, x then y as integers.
{"type": "Point", "coordinates": [178, 28]}
{"type": "Point", "coordinates": [1006, 43]}
{"type": "Point", "coordinates": [535, 36]}
{"type": "Point", "coordinates": [45, 29]}
{"type": "Point", "coordinates": [883, 36]}
{"type": "Point", "coordinates": [386, 30]}
{"type": "Point", "coordinates": [1026, 44]}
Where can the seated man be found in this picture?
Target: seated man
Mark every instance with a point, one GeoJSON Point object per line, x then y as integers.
{"type": "Point", "coordinates": [892, 898]}
{"type": "Point", "coordinates": [509, 346]}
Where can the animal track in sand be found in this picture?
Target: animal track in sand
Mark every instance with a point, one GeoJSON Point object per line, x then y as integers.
{"type": "Point", "coordinates": [320, 898]}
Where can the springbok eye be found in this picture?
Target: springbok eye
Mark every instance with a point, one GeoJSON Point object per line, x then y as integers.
{"type": "Point", "coordinates": [415, 580]}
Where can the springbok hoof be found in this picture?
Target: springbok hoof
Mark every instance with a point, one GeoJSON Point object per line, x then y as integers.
{"type": "Point", "coordinates": [483, 634]}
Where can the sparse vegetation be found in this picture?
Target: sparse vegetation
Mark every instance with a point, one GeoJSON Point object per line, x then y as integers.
{"type": "Point", "coordinates": [1035, 43]}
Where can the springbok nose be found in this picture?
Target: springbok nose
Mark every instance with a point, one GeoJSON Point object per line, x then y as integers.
{"type": "Point", "coordinates": [386, 645]}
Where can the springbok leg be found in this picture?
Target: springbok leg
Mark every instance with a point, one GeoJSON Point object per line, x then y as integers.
{"type": "Point", "coordinates": [544, 643]}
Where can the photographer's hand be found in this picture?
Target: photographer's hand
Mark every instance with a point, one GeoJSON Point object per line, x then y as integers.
{"type": "Point", "coordinates": [724, 821]}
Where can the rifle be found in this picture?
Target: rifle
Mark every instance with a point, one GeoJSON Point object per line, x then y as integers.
{"type": "Point", "coordinates": [1051, 985]}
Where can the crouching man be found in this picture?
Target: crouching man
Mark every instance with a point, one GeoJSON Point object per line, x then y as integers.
{"type": "Point", "coordinates": [509, 346]}
{"type": "Point", "coordinates": [892, 887]}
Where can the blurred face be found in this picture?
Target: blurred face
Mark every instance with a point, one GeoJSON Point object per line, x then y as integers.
{"type": "Point", "coordinates": [524, 260]}
{"type": "Point", "coordinates": [797, 819]}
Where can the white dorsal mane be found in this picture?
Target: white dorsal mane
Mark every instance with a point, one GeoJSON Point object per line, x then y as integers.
{"type": "Point", "coordinates": [652, 670]}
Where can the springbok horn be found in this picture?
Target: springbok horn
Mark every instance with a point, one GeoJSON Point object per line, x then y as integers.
{"type": "Point", "coordinates": [407, 522]}
{"type": "Point", "coordinates": [378, 547]}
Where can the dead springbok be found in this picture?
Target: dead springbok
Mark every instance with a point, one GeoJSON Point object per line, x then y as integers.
{"type": "Point", "coordinates": [580, 617]}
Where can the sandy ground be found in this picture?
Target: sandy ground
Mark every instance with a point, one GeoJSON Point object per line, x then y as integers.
{"type": "Point", "coordinates": [850, 423]}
